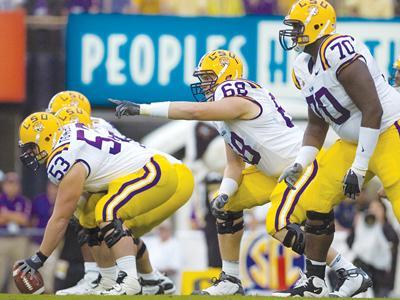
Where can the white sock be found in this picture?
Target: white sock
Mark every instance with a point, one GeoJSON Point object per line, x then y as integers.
{"type": "Point", "coordinates": [109, 273]}
{"type": "Point", "coordinates": [91, 267]}
{"type": "Point", "coordinates": [341, 262]}
{"type": "Point", "coordinates": [128, 265]}
{"type": "Point", "coordinates": [150, 276]}
{"type": "Point", "coordinates": [91, 271]}
{"type": "Point", "coordinates": [231, 268]}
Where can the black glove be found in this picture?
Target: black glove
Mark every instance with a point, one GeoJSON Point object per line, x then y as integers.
{"type": "Point", "coordinates": [217, 205]}
{"type": "Point", "coordinates": [353, 182]}
{"type": "Point", "coordinates": [31, 264]}
{"type": "Point", "coordinates": [125, 108]}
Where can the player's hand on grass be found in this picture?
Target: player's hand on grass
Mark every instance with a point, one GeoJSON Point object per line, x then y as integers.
{"type": "Point", "coordinates": [353, 182]}
{"type": "Point", "coordinates": [291, 174]}
{"type": "Point", "coordinates": [125, 108]}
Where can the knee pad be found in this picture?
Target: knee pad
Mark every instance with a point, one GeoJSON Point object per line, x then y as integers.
{"type": "Point", "coordinates": [295, 238]}
{"type": "Point", "coordinates": [227, 225]}
{"type": "Point", "coordinates": [113, 232]}
{"type": "Point", "coordinates": [83, 237]}
{"type": "Point", "coordinates": [320, 223]}
{"type": "Point", "coordinates": [93, 237]}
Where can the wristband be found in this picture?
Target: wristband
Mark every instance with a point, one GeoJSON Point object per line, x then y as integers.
{"type": "Point", "coordinates": [306, 155]}
{"type": "Point", "coordinates": [367, 140]}
{"type": "Point", "coordinates": [228, 186]}
{"type": "Point", "coordinates": [155, 109]}
{"type": "Point", "coordinates": [42, 257]}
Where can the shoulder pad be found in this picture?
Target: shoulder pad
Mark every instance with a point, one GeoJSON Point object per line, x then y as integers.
{"type": "Point", "coordinates": [337, 52]}
{"type": "Point", "coordinates": [59, 162]}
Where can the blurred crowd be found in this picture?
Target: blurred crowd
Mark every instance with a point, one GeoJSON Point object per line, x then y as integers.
{"type": "Point", "coordinates": [351, 8]}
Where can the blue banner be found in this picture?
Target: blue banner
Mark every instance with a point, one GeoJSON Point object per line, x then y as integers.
{"type": "Point", "coordinates": [152, 58]}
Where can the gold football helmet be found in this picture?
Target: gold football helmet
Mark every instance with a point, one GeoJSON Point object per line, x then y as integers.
{"type": "Point", "coordinates": [38, 134]}
{"type": "Point", "coordinates": [73, 114]}
{"type": "Point", "coordinates": [69, 98]}
{"type": "Point", "coordinates": [214, 68]}
{"type": "Point", "coordinates": [309, 20]}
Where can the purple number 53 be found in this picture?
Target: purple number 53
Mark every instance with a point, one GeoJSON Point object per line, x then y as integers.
{"type": "Point", "coordinates": [99, 141]}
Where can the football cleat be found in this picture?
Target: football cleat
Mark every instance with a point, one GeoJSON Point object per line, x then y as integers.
{"type": "Point", "coordinates": [167, 284]}
{"type": "Point", "coordinates": [351, 282]}
{"type": "Point", "coordinates": [125, 285]}
{"type": "Point", "coordinates": [224, 285]}
{"type": "Point", "coordinates": [151, 287]}
{"type": "Point", "coordinates": [312, 286]}
{"type": "Point", "coordinates": [103, 284]}
{"type": "Point", "coordinates": [84, 286]}
{"type": "Point", "coordinates": [161, 285]}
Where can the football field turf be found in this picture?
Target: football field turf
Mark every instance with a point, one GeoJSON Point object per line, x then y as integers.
{"type": "Point", "coordinates": [93, 297]}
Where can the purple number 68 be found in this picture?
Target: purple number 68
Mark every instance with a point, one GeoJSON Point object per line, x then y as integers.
{"type": "Point", "coordinates": [247, 153]}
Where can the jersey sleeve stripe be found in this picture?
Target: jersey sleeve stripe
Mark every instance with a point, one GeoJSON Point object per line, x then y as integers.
{"type": "Point", "coordinates": [151, 176]}
{"type": "Point", "coordinates": [86, 164]}
{"type": "Point", "coordinates": [324, 46]}
{"type": "Point", "coordinates": [348, 63]}
{"type": "Point", "coordinates": [291, 197]}
{"type": "Point", "coordinates": [295, 80]}
{"type": "Point", "coordinates": [255, 102]}
{"type": "Point", "coordinates": [252, 84]}
{"type": "Point", "coordinates": [57, 151]}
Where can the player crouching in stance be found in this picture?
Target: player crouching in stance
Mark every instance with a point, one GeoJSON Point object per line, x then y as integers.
{"type": "Point", "coordinates": [257, 131]}
{"type": "Point", "coordinates": [74, 107]}
{"type": "Point", "coordinates": [344, 88]}
{"type": "Point", "coordinates": [136, 181]}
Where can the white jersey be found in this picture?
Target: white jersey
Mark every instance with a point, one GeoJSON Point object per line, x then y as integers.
{"type": "Point", "coordinates": [270, 140]}
{"type": "Point", "coordinates": [105, 156]}
{"type": "Point", "coordinates": [327, 97]}
{"type": "Point", "coordinates": [101, 124]}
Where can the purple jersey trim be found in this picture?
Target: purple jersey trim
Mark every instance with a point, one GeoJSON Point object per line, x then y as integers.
{"type": "Point", "coordinates": [348, 63]}
{"type": "Point", "coordinates": [255, 102]}
{"type": "Point", "coordinates": [86, 164]}
{"type": "Point", "coordinates": [396, 124]}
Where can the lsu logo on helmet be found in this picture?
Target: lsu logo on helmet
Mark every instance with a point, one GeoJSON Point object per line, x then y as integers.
{"type": "Point", "coordinates": [69, 98]}
{"type": "Point", "coordinates": [309, 20]}
{"type": "Point", "coordinates": [214, 68]}
{"type": "Point", "coordinates": [38, 134]}
{"type": "Point", "coordinates": [73, 114]}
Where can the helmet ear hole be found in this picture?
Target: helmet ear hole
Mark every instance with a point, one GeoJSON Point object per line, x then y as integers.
{"type": "Point", "coordinates": [47, 139]}
{"type": "Point", "coordinates": [316, 26]}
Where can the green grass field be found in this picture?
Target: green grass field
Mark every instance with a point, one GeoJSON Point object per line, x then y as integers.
{"type": "Point", "coordinates": [90, 297]}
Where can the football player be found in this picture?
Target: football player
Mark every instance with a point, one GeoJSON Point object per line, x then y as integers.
{"type": "Point", "coordinates": [257, 131]}
{"type": "Point", "coordinates": [135, 181]}
{"type": "Point", "coordinates": [344, 88]}
{"type": "Point", "coordinates": [74, 107]}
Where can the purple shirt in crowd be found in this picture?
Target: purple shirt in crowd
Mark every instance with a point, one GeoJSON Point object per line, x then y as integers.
{"type": "Point", "coordinates": [41, 212]}
{"type": "Point", "coordinates": [260, 7]}
{"type": "Point", "coordinates": [19, 204]}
